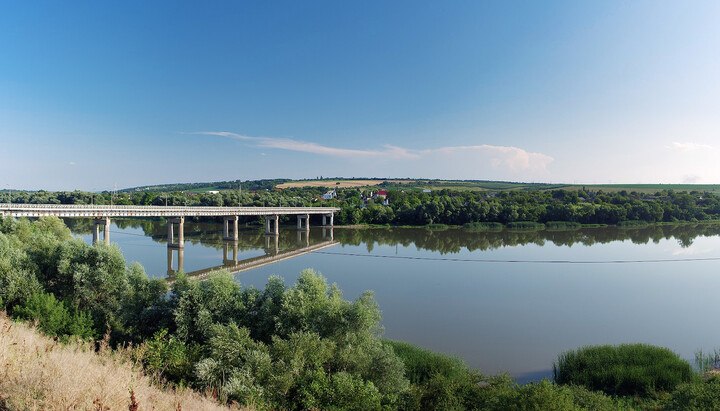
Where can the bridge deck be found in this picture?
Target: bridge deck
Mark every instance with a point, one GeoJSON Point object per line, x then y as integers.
{"type": "Point", "coordinates": [101, 211]}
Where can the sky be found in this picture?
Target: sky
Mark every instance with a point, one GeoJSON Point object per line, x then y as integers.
{"type": "Point", "coordinates": [95, 95]}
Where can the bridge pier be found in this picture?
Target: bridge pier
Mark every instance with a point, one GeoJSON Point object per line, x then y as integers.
{"type": "Point", "coordinates": [180, 251]}
{"type": "Point", "coordinates": [325, 217]}
{"type": "Point", "coordinates": [300, 219]}
{"type": "Point", "coordinates": [272, 221]}
{"type": "Point", "coordinates": [180, 221]}
{"type": "Point", "coordinates": [106, 230]}
{"type": "Point", "coordinates": [226, 228]}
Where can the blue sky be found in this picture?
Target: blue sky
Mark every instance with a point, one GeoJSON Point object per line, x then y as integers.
{"type": "Point", "coordinates": [94, 94]}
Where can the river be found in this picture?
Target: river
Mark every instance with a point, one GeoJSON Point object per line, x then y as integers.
{"type": "Point", "coordinates": [502, 301]}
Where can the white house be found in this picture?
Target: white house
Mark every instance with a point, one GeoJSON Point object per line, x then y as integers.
{"type": "Point", "coordinates": [329, 195]}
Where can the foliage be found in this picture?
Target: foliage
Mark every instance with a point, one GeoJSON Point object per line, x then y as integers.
{"type": "Point", "coordinates": [695, 396]}
{"type": "Point", "coordinates": [421, 364]}
{"type": "Point", "coordinates": [55, 318]}
{"type": "Point", "coordinates": [626, 369]}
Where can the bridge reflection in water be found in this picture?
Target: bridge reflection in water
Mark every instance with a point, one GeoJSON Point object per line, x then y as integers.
{"type": "Point", "coordinates": [231, 263]}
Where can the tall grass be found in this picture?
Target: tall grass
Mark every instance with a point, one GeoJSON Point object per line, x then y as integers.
{"type": "Point", "coordinates": [421, 364]}
{"type": "Point", "coordinates": [633, 224]}
{"type": "Point", "coordinates": [525, 225]}
{"type": "Point", "coordinates": [477, 226]}
{"type": "Point", "coordinates": [562, 224]}
{"type": "Point", "coordinates": [40, 373]}
{"type": "Point", "coordinates": [626, 369]}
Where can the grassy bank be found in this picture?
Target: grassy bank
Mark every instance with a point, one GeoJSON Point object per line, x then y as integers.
{"type": "Point", "coordinates": [39, 373]}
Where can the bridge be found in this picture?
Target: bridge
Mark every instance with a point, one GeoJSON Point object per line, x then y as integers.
{"type": "Point", "coordinates": [175, 215]}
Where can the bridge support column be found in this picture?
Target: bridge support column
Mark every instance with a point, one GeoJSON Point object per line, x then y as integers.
{"type": "Point", "coordinates": [226, 228]}
{"type": "Point", "coordinates": [271, 225]}
{"type": "Point", "coordinates": [300, 219]}
{"type": "Point", "coordinates": [180, 221]}
{"type": "Point", "coordinates": [331, 216]}
{"type": "Point", "coordinates": [106, 230]}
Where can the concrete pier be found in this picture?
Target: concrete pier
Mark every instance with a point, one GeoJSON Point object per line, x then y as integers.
{"type": "Point", "coordinates": [180, 221]}
{"type": "Point", "coordinates": [226, 228]}
{"type": "Point", "coordinates": [272, 226]}
{"type": "Point", "coordinates": [105, 222]}
{"type": "Point", "coordinates": [325, 218]}
{"type": "Point", "coordinates": [300, 225]}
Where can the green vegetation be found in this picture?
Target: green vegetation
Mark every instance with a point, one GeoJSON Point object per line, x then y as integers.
{"type": "Point", "coordinates": [302, 346]}
{"type": "Point", "coordinates": [483, 226]}
{"type": "Point", "coordinates": [525, 225]}
{"type": "Point", "coordinates": [562, 224]}
{"type": "Point", "coordinates": [627, 369]}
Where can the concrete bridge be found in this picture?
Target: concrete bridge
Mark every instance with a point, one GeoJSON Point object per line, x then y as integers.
{"type": "Point", "coordinates": [101, 215]}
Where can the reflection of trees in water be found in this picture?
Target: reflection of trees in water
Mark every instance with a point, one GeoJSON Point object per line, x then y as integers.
{"type": "Point", "coordinates": [209, 234]}
{"type": "Point", "coordinates": [453, 240]}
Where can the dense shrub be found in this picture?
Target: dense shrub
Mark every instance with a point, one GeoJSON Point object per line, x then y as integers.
{"type": "Point", "coordinates": [626, 369]}
{"type": "Point", "coordinates": [696, 396]}
{"type": "Point", "coordinates": [55, 318]}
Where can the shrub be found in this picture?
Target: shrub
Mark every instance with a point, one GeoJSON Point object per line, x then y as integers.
{"type": "Point", "coordinates": [55, 317]}
{"type": "Point", "coordinates": [626, 369]}
{"type": "Point", "coordinates": [695, 396]}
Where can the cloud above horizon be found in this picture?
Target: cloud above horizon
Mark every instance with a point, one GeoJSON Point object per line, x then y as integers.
{"type": "Point", "coordinates": [687, 146]}
{"type": "Point", "coordinates": [513, 159]}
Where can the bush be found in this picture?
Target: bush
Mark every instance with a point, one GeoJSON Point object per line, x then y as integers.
{"type": "Point", "coordinates": [55, 318]}
{"type": "Point", "coordinates": [626, 369]}
{"type": "Point", "coordinates": [696, 396]}
{"type": "Point", "coordinates": [437, 226]}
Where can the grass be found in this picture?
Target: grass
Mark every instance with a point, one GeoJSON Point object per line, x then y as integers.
{"type": "Point", "coordinates": [525, 225]}
{"type": "Point", "coordinates": [39, 373]}
{"type": "Point", "coordinates": [562, 224]}
{"type": "Point", "coordinates": [421, 364]}
{"type": "Point", "coordinates": [437, 226]}
{"type": "Point", "coordinates": [476, 226]}
{"type": "Point", "coordinates": [625, 370]}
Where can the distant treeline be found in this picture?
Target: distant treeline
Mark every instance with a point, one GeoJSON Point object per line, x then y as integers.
{"type": "Point", "coordinates": [413, 207]}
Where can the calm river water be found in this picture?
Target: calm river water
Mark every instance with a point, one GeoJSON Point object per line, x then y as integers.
{"type": "Point", "coordinates": [502, 301]}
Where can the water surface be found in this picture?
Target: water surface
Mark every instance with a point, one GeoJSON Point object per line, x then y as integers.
{"type": "Point", "coordinates": [502, 301]}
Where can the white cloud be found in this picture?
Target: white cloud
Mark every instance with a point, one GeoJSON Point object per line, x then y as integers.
{"type": "Point", "coordinates": [72, 163]}
{"type": "Point", "coordinates": [509, 158]}
{"type": "Point", "coordinates": [687, 146]}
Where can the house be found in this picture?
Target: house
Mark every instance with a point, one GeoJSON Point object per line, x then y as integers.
{"type": "Point", "coordinates": [380, 193]}
{"type": "Point", "coordinates": [212, 192]}
{"type": "Point", "coordinates": [329, 195]}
